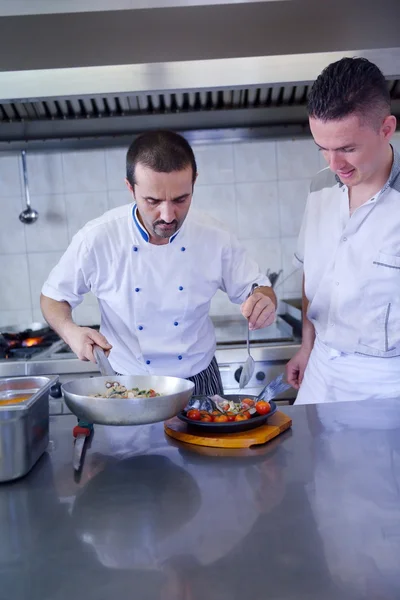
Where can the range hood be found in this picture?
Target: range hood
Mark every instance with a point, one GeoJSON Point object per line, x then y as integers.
{"type": "Point", "coordinates": [226, 71]}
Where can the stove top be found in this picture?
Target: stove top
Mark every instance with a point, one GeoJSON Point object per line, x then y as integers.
{"type": "Point", "coordinates": [26, 343]}
{"type": "Point", "coordinates": [40, 342]}
{"type": "Point", "coordinates": [36, 340]}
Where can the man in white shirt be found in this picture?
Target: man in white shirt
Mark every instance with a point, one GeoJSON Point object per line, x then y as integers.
{"type": "Point", "coordinates": [349, 244]}
{"type": "Point", "coordinates": [154, 269]}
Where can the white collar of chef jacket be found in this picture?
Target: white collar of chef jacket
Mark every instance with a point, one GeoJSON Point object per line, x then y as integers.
{"type": "Point", "coordinates": [142, 230]}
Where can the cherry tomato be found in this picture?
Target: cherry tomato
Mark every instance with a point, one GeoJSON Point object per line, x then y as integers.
{"type": "Point", "coordinates": [152, 394]}
{"type": "Point", "coordinates": [249, 402]}
{"type": "Point", "coordinates": [221, 419]}
{"type": "Point", "coordinates": [216, 413]}
{"type": "Point", "coordinates": [207, 418]}
{"type": "Point", "coordinates": [231, 416]}
{"type": "Point", "coordinates": [262, 407]}
{"type": "Point", "coordinates": [194, 414]}
{"type": "Point", "coordinates": [242, 417]}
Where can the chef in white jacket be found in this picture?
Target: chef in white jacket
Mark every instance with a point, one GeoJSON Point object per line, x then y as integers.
{"type": "Point", "coordinates": [154, 268]}
{"type": "Point", "coordinates": [349, 244]}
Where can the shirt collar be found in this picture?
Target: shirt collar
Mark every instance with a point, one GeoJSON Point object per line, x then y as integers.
{"type": "Point", "coordinates": [395, 171]}
{"type": "Point", "coordinates": [142, 230]}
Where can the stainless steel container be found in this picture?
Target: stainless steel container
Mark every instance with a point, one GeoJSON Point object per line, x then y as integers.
{"type": "Point", "coordinates": [24, 426]}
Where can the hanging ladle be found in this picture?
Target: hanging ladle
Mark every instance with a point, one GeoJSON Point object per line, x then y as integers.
{"type": "Point", "coordinates": [29, 215]}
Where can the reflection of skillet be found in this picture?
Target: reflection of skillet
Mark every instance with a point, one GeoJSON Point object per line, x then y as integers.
{"type": "Point", "coordinates": [133, 505]}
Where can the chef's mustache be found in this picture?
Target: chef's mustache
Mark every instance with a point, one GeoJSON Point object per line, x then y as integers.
{"type": "Point", "coordinates": [174, 222]}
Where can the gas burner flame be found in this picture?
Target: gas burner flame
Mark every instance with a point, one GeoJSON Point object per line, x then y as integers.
{"type": "Point", "coordinates": [33, 341]}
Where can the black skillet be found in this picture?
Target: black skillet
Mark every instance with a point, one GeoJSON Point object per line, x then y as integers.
{"type": "Point", "coordinates": [230, 426]}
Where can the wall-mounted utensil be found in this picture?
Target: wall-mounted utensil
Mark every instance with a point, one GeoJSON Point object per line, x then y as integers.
{"type": "Point", "coordinates": [29, 215]}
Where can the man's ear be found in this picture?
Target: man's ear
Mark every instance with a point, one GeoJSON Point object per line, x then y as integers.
{"type": "Point", "coordinates": [130, 187]}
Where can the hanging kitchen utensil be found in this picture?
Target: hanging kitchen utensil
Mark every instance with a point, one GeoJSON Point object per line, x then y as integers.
{"type": "Point", "coordinates": [29, 215]}
{"type": "Point", "coordinates": [248, 367]}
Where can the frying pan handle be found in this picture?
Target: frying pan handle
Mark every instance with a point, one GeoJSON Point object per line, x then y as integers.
{"type": "Point", "coordinates": [102, 361]}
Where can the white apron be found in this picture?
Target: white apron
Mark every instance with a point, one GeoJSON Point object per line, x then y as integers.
{"type": "Point", "coordinates": [333, 376]}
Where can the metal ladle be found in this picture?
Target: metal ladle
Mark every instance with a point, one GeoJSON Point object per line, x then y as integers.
{"type": "Point", "coordinates": [29, 215]}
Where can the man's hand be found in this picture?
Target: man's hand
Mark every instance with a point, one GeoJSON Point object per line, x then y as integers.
{"type": "Point", "coordinates": [82, 339]}
{"type": "Point", "coordinates": [259, 309]}
{"type": "Point", "coordinates": [296, 367]}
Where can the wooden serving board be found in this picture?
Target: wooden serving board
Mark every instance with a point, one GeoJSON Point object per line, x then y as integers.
{"type": "Point", "coordinates": [278, 423]}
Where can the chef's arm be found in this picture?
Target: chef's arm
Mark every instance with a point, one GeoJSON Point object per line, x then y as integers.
{"type": "Point", "coordinates": [81, 340]}
{"type": "Point", "coordinates": [308, 336]}
{"type": "Point", "coordinates": [268, 292]}
{"type": "Point", "coordinates": [57, 314]}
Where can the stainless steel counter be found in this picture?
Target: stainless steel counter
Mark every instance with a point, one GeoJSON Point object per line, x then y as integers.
{"type": "Point", "coordinates": [312, 515]}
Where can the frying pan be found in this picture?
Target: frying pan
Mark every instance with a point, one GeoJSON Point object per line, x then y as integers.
{"type": "Point", "coordinates": [78, 395]}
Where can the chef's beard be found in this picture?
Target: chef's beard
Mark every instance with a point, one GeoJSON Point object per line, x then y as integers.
{"type": "Point", "coordinates": [167, 233]}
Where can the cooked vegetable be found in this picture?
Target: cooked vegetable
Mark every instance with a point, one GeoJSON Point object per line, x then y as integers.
{"type": "Point", "coordinates": [242, 417]}
{"type": "Point", "coordinates": [207, 418]}
{"type": "Point", "coordinates": [194, 414]}
{"type": "Point", "coordinates": [262, 407]}
{"type": "Point", "coordinates": [221, 419]}
{"type": "Point", "coordinates": [115, 390]}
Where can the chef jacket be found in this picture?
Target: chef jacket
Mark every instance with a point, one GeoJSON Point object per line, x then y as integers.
{"type": "Point", "coordinates": [352, 266]}
{"type": "Point", "coordinates": [154, 300]}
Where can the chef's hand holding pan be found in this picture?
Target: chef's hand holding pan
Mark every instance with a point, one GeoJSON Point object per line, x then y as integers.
{"type": "Point", "coordinates": [260, 308]}
{"type": "Point", "coordinates": [82, 339]}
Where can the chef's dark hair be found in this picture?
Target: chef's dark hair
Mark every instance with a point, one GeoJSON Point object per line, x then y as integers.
{"type": "Point", "coordinates": [350, 86]}
{"type": "Point", "coordinates": [162, 151]}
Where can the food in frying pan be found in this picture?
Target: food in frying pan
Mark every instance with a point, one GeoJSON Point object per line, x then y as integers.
{"type": "Point", "coordinates": [221, 410]}
{"type": "Point", "coordinates": [116, 390]}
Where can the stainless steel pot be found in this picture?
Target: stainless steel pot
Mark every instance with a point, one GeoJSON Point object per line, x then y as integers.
{"type": "Point", "coordinates": [24, 427]}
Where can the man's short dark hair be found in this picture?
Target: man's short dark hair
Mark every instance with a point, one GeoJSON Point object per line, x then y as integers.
{"type": "Point", "coordinates": [162, 151]}
{"type": "Point", "coordinates": [350, 86]}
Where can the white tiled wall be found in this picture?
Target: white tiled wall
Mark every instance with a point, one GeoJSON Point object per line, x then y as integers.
{"type": "Point", "coordinates": [256, 189]}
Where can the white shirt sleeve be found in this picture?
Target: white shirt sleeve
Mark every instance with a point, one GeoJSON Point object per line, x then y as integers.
{"type": "Point", "coordinates": [70, 278]}
{"type": "Point", "coordinates": [239, 272]}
